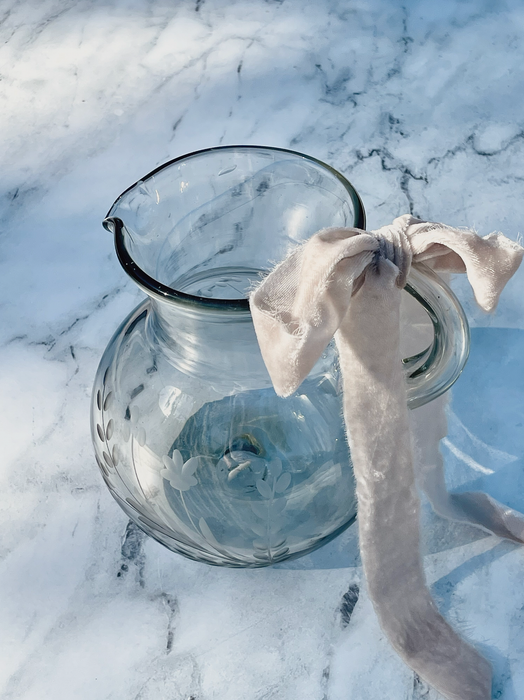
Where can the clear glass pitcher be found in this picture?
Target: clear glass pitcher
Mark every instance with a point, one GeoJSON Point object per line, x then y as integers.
{"type": "Point", "coordinates": [189, 435]}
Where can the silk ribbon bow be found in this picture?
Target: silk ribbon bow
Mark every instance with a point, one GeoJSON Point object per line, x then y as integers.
{"type": "Point", "coordinates": [347, 283]}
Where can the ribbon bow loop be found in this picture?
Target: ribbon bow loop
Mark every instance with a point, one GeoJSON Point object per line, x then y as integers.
{"type": "Point", "coordinates": [300, 306]}
{"type": "Point", "coordinates": [489, 262]}
{"type": "Point", "coordinates": [346, 283]}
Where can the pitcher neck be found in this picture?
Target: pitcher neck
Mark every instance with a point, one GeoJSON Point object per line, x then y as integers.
{"type": "Point", "coordinates": [217, 346]}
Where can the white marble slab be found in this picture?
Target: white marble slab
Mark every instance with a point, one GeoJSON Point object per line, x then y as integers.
{"type": "Point", "coordinates": [422, 108]}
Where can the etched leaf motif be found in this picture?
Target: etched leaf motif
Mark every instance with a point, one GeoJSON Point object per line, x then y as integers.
{"type": "Point", "coordinates": [168, 462]}
{"type": "Point", "coordinates": [99, 400]}
{"type": "Point", "coordinates": [101, 466]}
{"type": "Point", "coordinates": [275, 525]}
{"type": "Point", "coordinates": [264, 488]}
{"type": "Point", "coordinates": [141, 437]}
{"type": "Point", "coordinates": [100, 432]}
{"type": "Point", "coordinates": [259, 529]}
{"type": "Point", "coordinates": [190, 466]}
{"type": "Point", "coordinates": [262, 556]}
{"type": "Point", "coordinates": [107, 459]}
{"type": "Point", "coordinates": [237, 470]}
{"type": "Point", "coordinates": [283, 482]}
{"type": "Point", "coordinates": [110, 429]}
{"type": "Point", "coordinates": [275, 467]}
{"type": "Point", "coordinates": [108, 400]}
{"type": "Point", "coordinates": [259, 509]}
{"type": "Point", "coordinates": [177, 460]}
{"type": "Point", "coordinates": [115, 455]}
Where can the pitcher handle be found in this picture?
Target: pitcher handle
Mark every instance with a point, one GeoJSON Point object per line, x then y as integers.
{"type": "Point", "coordinates": [433, 371]}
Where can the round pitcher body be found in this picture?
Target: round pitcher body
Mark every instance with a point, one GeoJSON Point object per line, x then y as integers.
{"type": "Point", "coordinates": [221, 470]}
{"type": "Point", "coordinates": [190, 436]}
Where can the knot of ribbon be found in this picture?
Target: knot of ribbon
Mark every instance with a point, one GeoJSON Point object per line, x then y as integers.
{"type": "Point", "coordinates": [394, 245]}
{"type": "Point", "coordinates": [346, 283]}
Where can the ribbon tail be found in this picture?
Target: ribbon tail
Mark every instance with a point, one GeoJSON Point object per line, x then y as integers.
{"type": "Point", "coordinates": [377, 420]}
{"type": "Point", "coordinates": [482, 510]}
{"type": "Point", "coordinates": [472, 507]}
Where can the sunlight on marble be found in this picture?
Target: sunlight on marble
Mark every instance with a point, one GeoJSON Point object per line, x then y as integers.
{"type": "Point", "coordinates": [421, 107]}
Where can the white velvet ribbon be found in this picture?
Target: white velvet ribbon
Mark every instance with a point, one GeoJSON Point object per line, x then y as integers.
{"type": "Point", "coordinates": [347, 283]}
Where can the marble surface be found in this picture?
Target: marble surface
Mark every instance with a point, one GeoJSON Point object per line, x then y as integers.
{"type": "Point", "coordinates": [421, 107]}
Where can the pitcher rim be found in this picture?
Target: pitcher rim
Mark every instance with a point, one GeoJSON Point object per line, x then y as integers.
{"type": "Point", "coordinates": [163, 292]}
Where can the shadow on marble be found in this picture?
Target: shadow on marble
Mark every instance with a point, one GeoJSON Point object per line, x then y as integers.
{"type": "Point", "coordinates": [486, 439]}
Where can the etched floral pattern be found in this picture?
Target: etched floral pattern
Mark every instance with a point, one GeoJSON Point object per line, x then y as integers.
{"type": "Point", "coordinates": [277, 481]}
{"type": "Point", "coordinates": [179, 473]}
{"type": "Point", "coordinates": [105, 430]}
{"type": "Point", "coordinates": [238, 461]}
{"type": "Point", "coordinates": [243, 470]}
{"type": "Point", "coordinates": [270, 546]}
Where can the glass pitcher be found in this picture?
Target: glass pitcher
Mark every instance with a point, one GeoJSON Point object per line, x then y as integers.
{"type": "Point", "coordinates": [189, 435]}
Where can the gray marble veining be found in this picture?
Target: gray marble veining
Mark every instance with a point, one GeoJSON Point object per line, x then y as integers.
{"type": "Point", "coordinates": [421, 107]}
